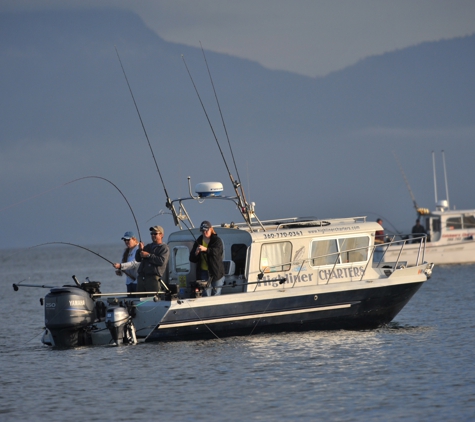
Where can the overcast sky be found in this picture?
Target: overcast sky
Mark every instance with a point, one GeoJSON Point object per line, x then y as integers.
{"type": "Point", "coordinates": [310, 37]}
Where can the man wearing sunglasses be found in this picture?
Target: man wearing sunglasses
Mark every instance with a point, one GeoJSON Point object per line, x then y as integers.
{"type": "Point", "coordinates": [153, 260]}
{"type": "Point", "coordinates": [208, 253]}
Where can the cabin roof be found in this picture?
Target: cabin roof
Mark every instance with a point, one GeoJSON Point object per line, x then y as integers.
{"type": "Point", "coordinates": [284, 228]}
{"type": "Point", "coordinates": [450, 213]}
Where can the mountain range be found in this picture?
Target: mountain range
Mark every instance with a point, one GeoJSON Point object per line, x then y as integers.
{"type": "Point", "coordinates": [321, 146]}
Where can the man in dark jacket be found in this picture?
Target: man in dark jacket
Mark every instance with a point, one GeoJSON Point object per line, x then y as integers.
{"type": "Point", "coordinates": [208, 252]}
{"type": "Point", "coordinates": [418, 232]}
{"type": "Point", "coordinates": [153, 260]}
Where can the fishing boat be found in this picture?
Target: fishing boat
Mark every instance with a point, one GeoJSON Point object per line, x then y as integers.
{"type": "Point", "coordinates": [449, 240]}
{"type": "Point", "coordinates": [290, 274]}
{"type": "Point", "coordinates": [449, 235]}
{"type": "Point", "coordinates": [284, 274]}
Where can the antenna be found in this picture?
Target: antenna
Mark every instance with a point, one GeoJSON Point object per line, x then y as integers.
{"type": "Point", "coordinates": [435, 179]}
{"type": "Point", "coordinates": [445, 176]}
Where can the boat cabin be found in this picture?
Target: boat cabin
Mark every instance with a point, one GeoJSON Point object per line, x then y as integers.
{"type": "Point", "coordinates": [289, 252]}
{"type": "Point", "coordinates": [444, 225]}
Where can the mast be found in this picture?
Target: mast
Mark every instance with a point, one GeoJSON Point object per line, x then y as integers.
{"type": "Point", "coordinates": [445, 176]}
{"type": "Point", "coordinates": [435, 179]}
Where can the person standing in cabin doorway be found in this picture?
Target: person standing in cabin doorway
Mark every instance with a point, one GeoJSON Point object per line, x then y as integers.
{"type": "Point", "coordinates": [418, 232]}
{"type": "Point", "coordinates": [207, 252]}
{"type": "Point", "coordinates": [129, 265]}
{"type": "Point", "coordinates": [153, 260]}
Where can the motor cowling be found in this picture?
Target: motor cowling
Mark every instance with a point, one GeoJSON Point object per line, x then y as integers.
{"type": "Point", "coordinates": [119, 323]}
{"type": "Point", "coordinates": [68, 311]}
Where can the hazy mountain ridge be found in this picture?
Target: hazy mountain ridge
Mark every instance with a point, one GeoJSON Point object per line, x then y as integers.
{"type": "Point", "coordinates": [305, 146]}
{"type": "Point", "coordinates": [65, 59]}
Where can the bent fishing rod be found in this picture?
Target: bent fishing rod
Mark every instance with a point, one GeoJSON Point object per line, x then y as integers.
{"type": "Point", "coordinates": [123, 196]}
{"type": "Point", "coordinates": [75, 180]}
{"type": "Point", "coordinates": [169, 202]}
{"type": "Point", "coordinates": [82, 247]}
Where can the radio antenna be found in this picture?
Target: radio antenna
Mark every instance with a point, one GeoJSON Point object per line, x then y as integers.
{"type": "Point", "coordinates": [445, 176]}
{"type": "Point", "coordinates": [435, 178]}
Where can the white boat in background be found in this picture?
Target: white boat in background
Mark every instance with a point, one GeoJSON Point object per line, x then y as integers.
{"type": "Point", "coordinates": [450, 238]}
{"type": "Point", "coordinates": [450, 233]}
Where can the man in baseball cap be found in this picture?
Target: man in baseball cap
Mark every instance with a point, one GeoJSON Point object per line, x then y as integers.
{"type": "Point", "coordinates": [153, 260]}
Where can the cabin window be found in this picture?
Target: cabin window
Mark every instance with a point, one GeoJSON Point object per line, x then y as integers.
{"type": "Point", "coordinates": [276, 257]}
{"type": "Point", "coordinates": [238, 255]}
{"type": "Point", "coordinates": [180, 255]}
{"type": "Point", "coordinates": [324, 252]}
{"type": "Point", "coordinates": [454, 223]}
{"type": "Point", "coordinates": [337, 251]}
{"type": "Point", "coordinates": [354, 249]}
{"type": "Point", "coordinates": [469, 222]}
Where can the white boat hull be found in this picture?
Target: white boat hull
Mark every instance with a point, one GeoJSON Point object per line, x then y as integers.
{"type": "Point", "coordinates": [436, 253]}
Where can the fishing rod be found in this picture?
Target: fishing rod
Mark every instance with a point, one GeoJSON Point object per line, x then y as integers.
{"type": "Point", "coordinates": [75, 180]}
{"type": "Point", "coordinates": [224, 125]}
{"type": "Point", "coordinates": [243, 209]}
{"type": "Point", "coordinates": [168, 203]}
{"type": "Point", "coordinates": [420, 211]}
{"type": "Point", "coordinates": [73, 244]}
{"type": "Point", "coordinates": [385, 219]}
{"type": "Point", "coordinates": [183, 222]}
{"type": "Point", "coordinates": [82, 247]}
{"type": "Point", "coordinates": [108, 181]}
{"type": "Point", "coordinates": [405, 180]}
{"type": "Point", "coordinates": [16, 286]}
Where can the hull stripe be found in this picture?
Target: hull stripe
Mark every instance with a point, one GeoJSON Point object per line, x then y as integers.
{"type": "Point", "coordinates": [263, 315]}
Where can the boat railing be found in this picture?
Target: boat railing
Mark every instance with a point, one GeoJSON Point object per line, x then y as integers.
{"type": "Point", "coordinates": [369, 250]}
{"type": "Point", "coordinates": [401, 244]}
{"type": "Point", "coordinates": [317, 222]}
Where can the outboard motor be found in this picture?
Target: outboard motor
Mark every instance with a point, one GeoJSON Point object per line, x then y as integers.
{"type": "Point", "coordinates": [120, 325]}
{"type": "Point", "coordinates": [68, 312]}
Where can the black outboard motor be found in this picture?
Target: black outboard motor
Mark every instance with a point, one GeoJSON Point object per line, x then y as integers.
{"type": "Point", "coordinates": [68, 312]}
{"type": "Point", "coordinates": [120, 325]}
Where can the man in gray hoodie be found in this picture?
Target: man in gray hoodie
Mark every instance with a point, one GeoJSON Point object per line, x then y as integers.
{"type": "Point", "coordinates": [153, 260]}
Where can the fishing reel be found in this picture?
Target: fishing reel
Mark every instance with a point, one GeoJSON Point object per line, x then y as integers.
{"type": "Point", "coordinates": [198, 286]}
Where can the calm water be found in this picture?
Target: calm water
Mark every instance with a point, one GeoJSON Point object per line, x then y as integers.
{"type": "Point", "coordinates": [420, 368]}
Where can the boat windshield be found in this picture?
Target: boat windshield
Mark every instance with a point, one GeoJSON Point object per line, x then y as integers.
{"type": "Point", "coordinates": [468, 221]}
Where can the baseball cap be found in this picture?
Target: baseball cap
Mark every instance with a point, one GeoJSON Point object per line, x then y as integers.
{"type": "Point", "coordinates": [205, 225]}
{"type": "Point", "coordinates": [128, 235]}
{"type": "Point", "coordinates": [158, 229]}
